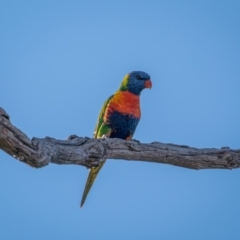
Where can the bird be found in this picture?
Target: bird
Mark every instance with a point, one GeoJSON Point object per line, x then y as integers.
{"type": "Point", "coordinates": [119, 116]}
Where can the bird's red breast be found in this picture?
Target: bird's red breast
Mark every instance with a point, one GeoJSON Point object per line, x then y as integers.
{"type": "Point", "coordinates": [125, 102]}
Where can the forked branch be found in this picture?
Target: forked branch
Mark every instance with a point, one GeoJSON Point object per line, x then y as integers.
{"type": "Point", "coordinates": [39, 152]}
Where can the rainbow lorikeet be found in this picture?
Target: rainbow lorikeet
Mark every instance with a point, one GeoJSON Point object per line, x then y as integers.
{"type": "Point", "coordinates": [119, 116]}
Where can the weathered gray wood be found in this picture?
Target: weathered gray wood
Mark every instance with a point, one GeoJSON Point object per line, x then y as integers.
{"type": "Point", "coordinates": [89, 151]}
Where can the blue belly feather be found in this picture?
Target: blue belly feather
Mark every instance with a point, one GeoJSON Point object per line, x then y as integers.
{"type": "Point", "coordinates": [122, 125]}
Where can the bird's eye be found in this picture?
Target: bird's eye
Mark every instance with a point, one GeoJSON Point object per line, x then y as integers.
{"type": "Point", "coordinates": [138, 77]}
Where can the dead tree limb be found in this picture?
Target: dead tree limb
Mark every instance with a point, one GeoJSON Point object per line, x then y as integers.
{"type": "Point", "coordinates": [88, 152]}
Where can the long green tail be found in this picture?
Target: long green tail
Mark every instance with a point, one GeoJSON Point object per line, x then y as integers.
{"type": "Point", "coordinates": [90, 180]}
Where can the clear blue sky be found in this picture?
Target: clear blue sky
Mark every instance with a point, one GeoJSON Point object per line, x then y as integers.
{"type": "Point", "coordinates": [59, 61]}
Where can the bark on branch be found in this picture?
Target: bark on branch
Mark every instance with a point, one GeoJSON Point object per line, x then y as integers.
{"type": "Point", "coordinates": [88, 152]}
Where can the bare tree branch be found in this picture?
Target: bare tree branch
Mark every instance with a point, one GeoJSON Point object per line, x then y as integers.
{"type": "Point", "coordinates": [89, 151]}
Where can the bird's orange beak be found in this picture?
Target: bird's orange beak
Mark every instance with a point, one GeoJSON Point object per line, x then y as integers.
{"type": "Point", "coordinates": [148, 84]}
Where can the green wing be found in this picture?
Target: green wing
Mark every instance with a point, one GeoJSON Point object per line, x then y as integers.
{"type": "Point", "coordinates": [101, 128]}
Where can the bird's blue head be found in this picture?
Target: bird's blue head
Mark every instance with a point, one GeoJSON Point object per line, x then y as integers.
{"type": "Point", "coordinates": [135, 82]}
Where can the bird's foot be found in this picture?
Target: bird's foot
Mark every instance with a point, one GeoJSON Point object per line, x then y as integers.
{"type": "Point", "coordinates": [105, 136]}
{"type": "Point", "coordinates": [135, 140]}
